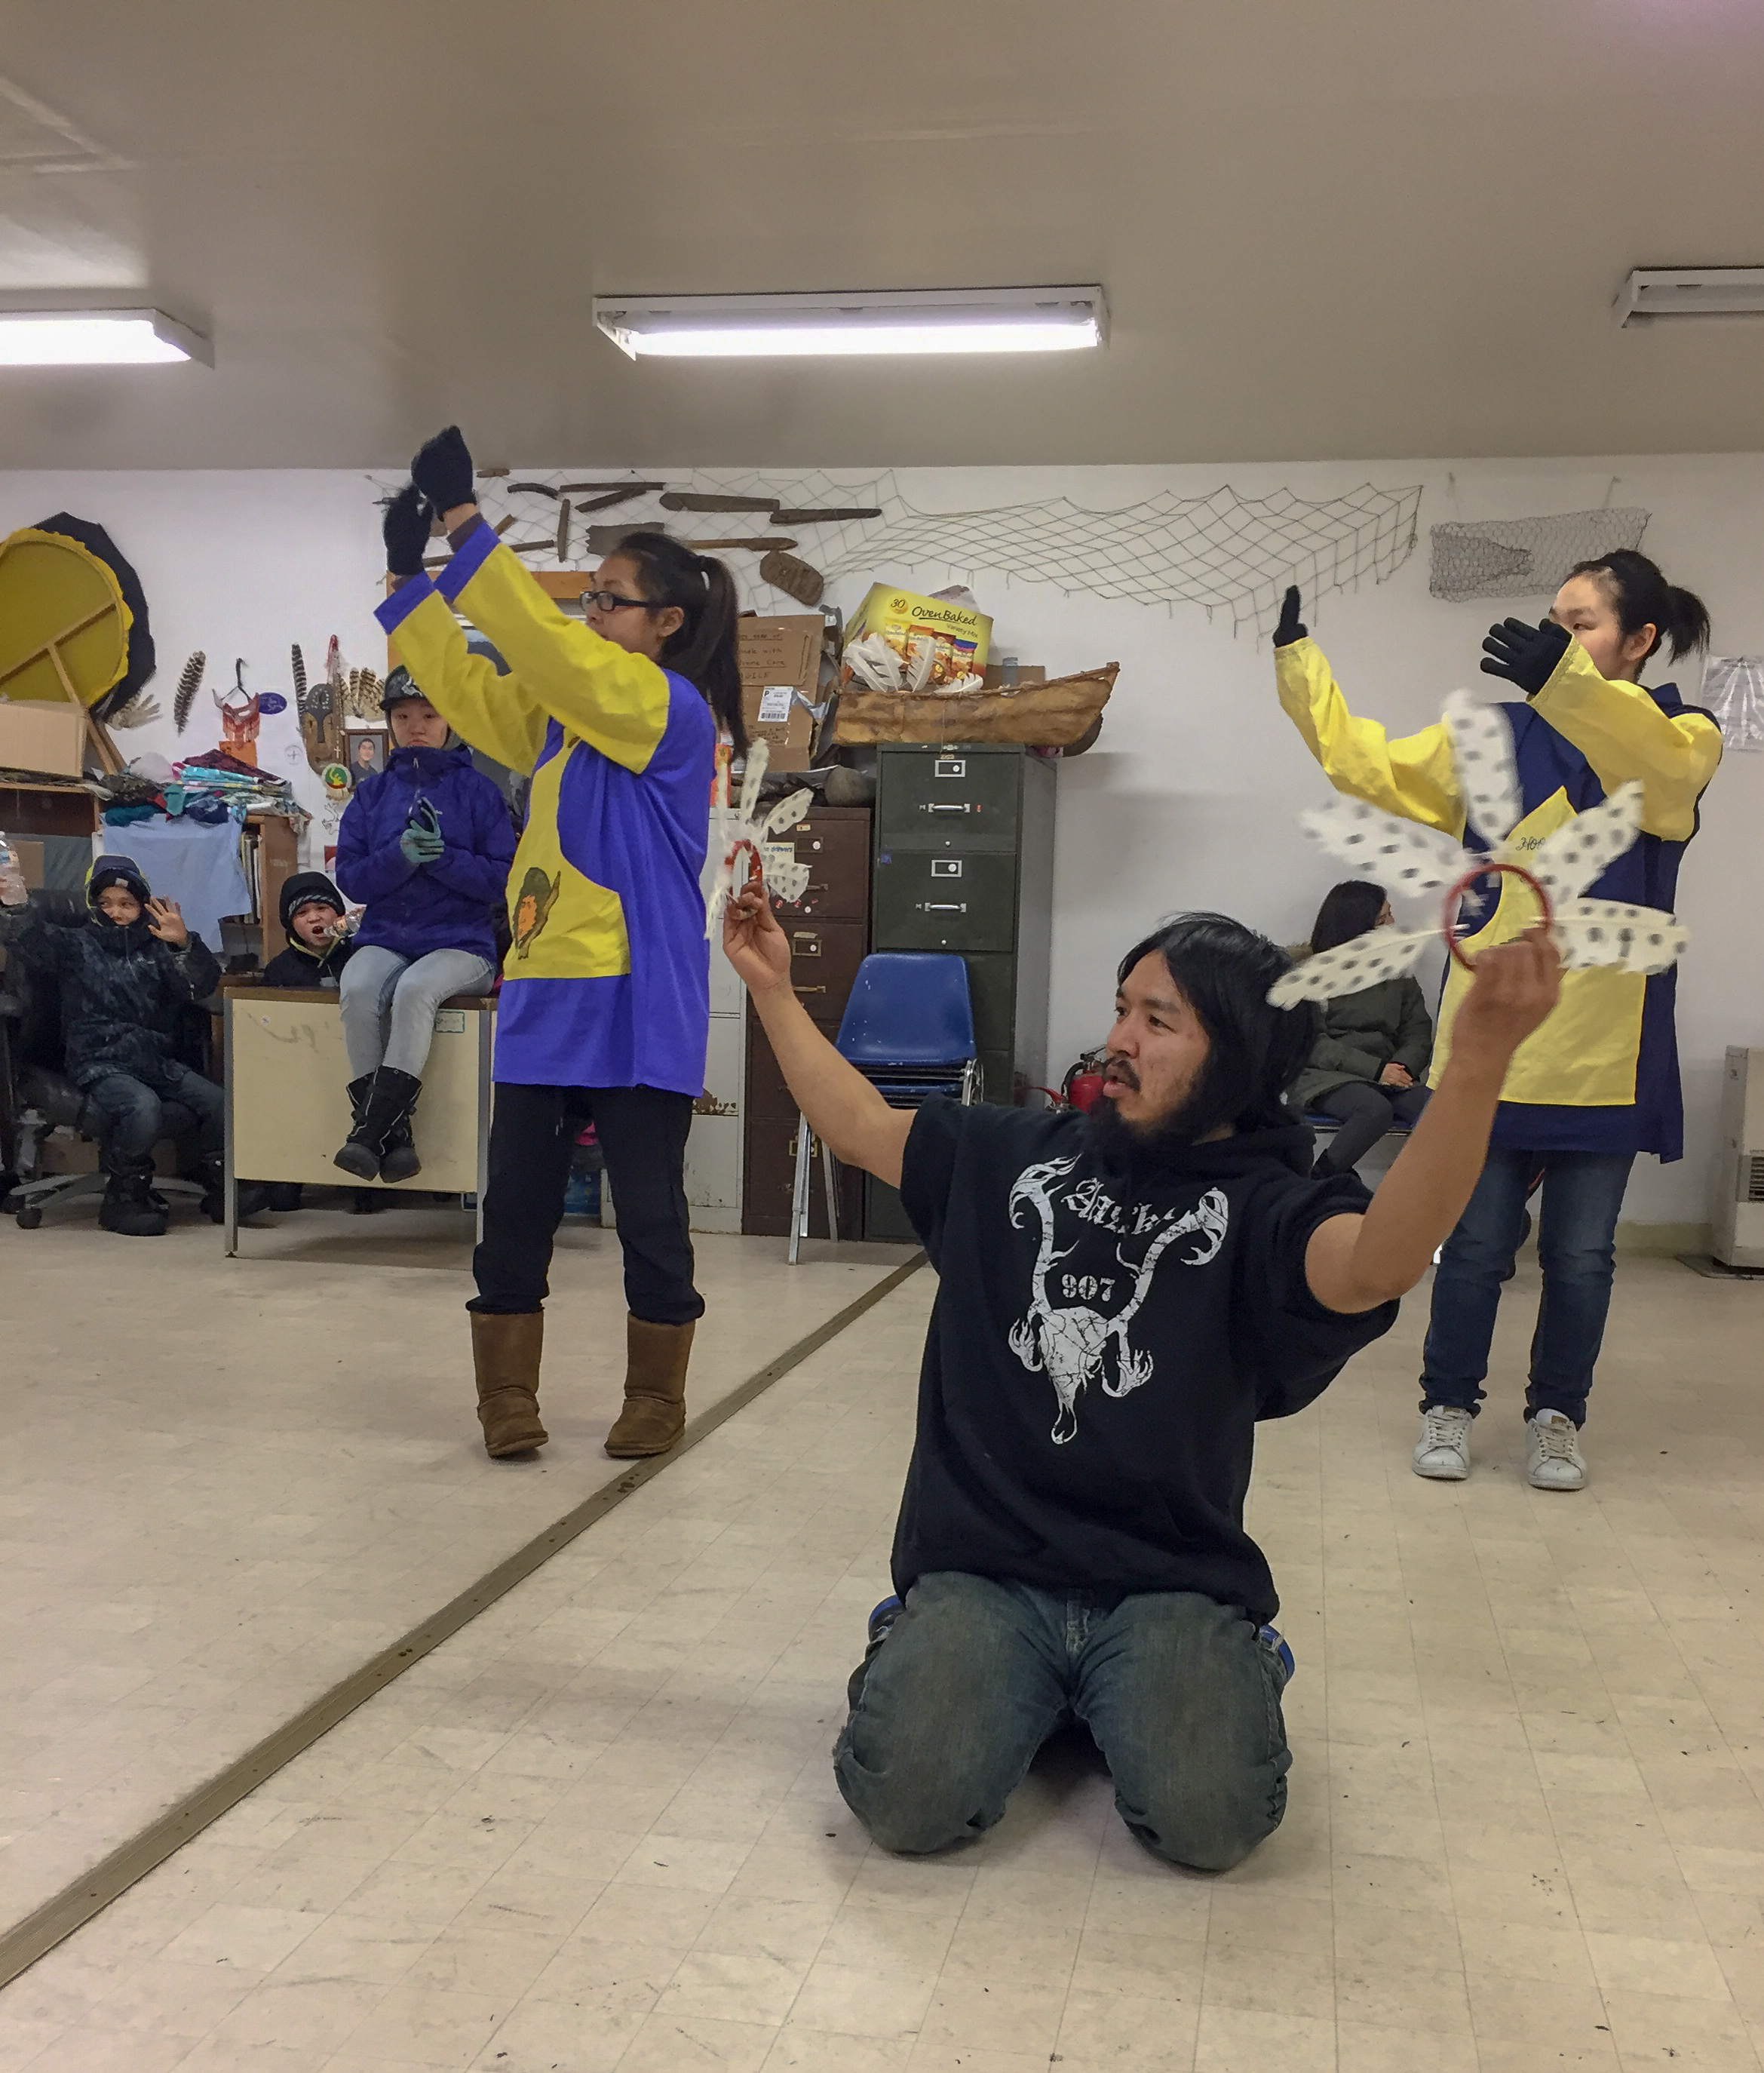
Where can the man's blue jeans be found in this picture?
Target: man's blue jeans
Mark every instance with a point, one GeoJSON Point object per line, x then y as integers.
{"type": "Point", "coordinates": [1583, 1191]}
{"type": "Point", "coordinates": [1180, 1694]}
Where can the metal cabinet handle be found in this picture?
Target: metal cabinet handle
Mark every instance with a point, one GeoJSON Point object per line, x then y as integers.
{"type": "Point", "coordinates": [808, 989]}
{"type": "Point", "coordinates": [940, 806]}
{"type": "Point", "coordinates": [943, 906]}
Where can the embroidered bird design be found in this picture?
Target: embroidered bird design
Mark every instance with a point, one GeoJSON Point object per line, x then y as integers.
{"type": "Point", "coordinates": [532, 909]}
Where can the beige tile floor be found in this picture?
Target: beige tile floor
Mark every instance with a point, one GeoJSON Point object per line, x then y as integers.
{"type": "Point", "coordinates": [598, 1828]}
{"type": "Point", "coordinates": [227, 1484]}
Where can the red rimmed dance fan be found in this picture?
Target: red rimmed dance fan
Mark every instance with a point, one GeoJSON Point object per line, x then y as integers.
{"type": "Point", "coordinates": [1411, 860]}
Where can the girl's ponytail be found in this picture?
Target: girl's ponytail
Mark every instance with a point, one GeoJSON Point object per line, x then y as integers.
{"type": "Point", "coordinates": [1687, 628]}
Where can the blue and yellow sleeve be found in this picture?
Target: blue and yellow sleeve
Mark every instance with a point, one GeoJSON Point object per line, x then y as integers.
{"type": "Point", "coordinates": [1623, 734]}
{"type": "Point", "coordinates": [1414, 776]}
{"type": "Point", "coordinates": [616, 703]}
{"type": "Point", "coordinates": [493, 712]}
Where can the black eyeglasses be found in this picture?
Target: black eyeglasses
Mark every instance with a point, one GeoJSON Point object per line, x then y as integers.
{"type": "Point", "coordinates": [610, 600]}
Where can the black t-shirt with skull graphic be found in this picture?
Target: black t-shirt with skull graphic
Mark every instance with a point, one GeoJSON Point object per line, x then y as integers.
{"type": "Point", "coordinates": [1103, 1344]}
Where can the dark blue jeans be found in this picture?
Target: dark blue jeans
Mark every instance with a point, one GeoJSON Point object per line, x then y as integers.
{"type": "Point", "coordinates": [134, 1117]}
{"type": "Point", "coordinates": [1583, 1191]}
{"type": "Point", "coordinates": [1181, 1697]}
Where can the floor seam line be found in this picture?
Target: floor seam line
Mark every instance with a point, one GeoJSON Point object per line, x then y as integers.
{"type": "Point", "coordinates": [77, 1903]}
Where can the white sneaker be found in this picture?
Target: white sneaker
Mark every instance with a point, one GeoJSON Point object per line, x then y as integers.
{"type": "Point", "coordinates": [1442, 1453]}
{"type": "Point", "coordinates": [1554, 1460]}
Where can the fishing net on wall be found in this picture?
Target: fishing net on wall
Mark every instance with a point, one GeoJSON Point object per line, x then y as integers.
{"type": "Point", "coordinates": [1223, 552]}
{"type": "Point", "coordinates": [1525, 556]}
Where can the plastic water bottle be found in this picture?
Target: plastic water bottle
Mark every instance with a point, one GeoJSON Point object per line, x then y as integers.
{"type": "Point", "coordinates": [13, 892]}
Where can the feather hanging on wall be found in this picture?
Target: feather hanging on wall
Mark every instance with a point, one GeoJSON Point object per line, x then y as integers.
{"type": "Point", "coordinates": [188, 685]}
{"type": "Point", "coordinates": [301, 702]}
{"type": "Point", "coordinates": [361, 695]}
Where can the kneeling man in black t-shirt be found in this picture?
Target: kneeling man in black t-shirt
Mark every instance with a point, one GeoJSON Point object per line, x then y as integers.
{"type": "Point", "coordinates": [1123, 1295]}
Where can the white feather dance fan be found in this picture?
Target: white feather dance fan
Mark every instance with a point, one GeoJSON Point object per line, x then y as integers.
{"type": "Point", "coordinates": [738, 830]}
{"type": "Point", "coordinates": [1412, 861]}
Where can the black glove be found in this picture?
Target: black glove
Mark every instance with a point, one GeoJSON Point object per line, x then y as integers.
{"type": "Point", "coordinates": [443, 471]}
{"type": "Point", "coordinates": [1525, 655]}
{"type": "Point", "coordinates": [406, 531]}
{"type": "Point", "coordinates": [1290, 628]}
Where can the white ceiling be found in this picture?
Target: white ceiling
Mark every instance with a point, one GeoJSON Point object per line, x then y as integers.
{"type": "Point", "coordinates": [1327, 227]}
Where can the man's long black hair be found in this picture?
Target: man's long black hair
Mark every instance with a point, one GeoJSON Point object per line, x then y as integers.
{"type": "Point", "coordinates": [1255, 1052]}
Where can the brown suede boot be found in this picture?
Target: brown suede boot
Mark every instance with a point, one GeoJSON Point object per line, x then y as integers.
{"type": "Point", "coordinates": [655, 1412]}
{"type": "Point", "coordinates": [505, 1351]}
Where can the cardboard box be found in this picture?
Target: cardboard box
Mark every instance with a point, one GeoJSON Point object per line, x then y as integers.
{"type": "Point", "coordinates": [39, 736]}
{"type": "Point", "coordinates": [780, 680]}
{"type": "Point", "coordinates": [961, 637]}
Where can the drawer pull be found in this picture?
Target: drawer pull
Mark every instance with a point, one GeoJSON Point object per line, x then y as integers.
{"type": "Point", "coordinates": [942, 807]}
{"type": "Point", "coordinates": [943, 906]}
{"type": "Point", "coordinates": [808, 989]}
{"type": "Point", "coordinates": [806, 942]}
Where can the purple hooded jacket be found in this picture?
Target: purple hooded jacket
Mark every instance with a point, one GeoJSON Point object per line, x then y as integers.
{"type": "Point", "coordinates": [446, 905]}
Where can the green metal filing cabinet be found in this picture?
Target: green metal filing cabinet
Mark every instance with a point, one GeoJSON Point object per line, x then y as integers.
{"type": "Point", "coordinates": [964, 861]}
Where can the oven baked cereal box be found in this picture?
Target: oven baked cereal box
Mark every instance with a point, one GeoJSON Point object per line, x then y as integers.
{"type": "Point", "coordinates": [904, 620]}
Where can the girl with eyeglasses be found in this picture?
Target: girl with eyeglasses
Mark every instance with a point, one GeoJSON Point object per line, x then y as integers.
{"type": "Point", "coordinates": [605, 1013]}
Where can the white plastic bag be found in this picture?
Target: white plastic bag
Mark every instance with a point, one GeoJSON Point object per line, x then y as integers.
{"type": "Point", "coordinates": [1733, 690]}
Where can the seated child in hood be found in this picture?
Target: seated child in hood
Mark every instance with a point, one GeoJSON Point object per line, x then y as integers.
{"type": "Point", "coordinates": [126, 977]}
{"type": "Point", "coordinates": [427, 844]}
{"type": "Point", "coordinates": [319, 946]}
{"type": "Point", "coordinates": [320, 943]}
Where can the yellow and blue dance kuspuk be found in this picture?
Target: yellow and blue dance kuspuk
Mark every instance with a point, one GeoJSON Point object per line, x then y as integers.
{"type": "Point", "coordinates": [1601, 1074]}
{"type": "Point", "coordinates": [607, 982]}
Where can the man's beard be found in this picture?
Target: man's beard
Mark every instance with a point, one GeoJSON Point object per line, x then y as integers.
{"type": "Point", "coordinates": [1144, 1148]}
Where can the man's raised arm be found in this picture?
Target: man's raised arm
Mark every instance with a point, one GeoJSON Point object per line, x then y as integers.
{"type": "Point", "coordinates": [1355, 1263]}
{"type": "Point", "coordinates": [843, 1109]}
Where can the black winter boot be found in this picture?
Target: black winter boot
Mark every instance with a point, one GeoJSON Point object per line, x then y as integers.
{"type": "Point", "coordinates": [253, 1195]}
{"type": "Point", "coordinates": [390, 1099]}
{"type": "Point", "coordinates": [285, 1195]}
{"type": "Point", "coordinates": [400, 1162]}
{"type": "Point", "coordinates": [358, 1091]}
{"type": "Point", "coordinates": [129, 1207]}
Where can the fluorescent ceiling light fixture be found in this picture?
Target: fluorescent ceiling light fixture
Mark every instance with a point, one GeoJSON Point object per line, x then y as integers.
{"type": "Point", "coordinates": [1691, 292]}
{"type": "Point", "coordinates": [97, 338]}
{"type": "Point", "coordinates": [784, 327]}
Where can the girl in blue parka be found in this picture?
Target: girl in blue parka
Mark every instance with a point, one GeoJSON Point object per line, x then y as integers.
{"type": "Point", "coordinates": [426, 845]}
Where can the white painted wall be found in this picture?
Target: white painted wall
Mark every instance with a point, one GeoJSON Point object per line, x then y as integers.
{"type": "Point", "coordinates": [1190, 797]}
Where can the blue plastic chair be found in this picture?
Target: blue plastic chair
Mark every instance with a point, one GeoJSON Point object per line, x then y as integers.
{"type": "Point", "coordinates": [909, 1028]}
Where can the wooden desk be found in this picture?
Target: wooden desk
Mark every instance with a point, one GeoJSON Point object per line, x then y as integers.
{"type": "Point", "coordinates": [287, 1076]}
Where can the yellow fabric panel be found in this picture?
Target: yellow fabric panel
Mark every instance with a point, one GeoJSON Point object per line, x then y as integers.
{"type": "Point", "coordinates": [564, 925]}
{"type": "Point", "coordinates": [1585, 1055]}
{"type": "Point", "coordinates": [492, 712]}
{"type": "Point", "coordinates": [614, 702]}
{"type": "Point", "coordinates": [1414, 777]}
{"type": "Point", "coordinates": [1623, 734]}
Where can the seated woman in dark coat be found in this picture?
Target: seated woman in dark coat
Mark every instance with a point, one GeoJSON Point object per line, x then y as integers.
{"type": "Point", "coordinates": [1367, 1067]}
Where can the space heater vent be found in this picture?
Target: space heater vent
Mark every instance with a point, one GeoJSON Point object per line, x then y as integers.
{"type": "Point", "coordinates": [1751, 1189]}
